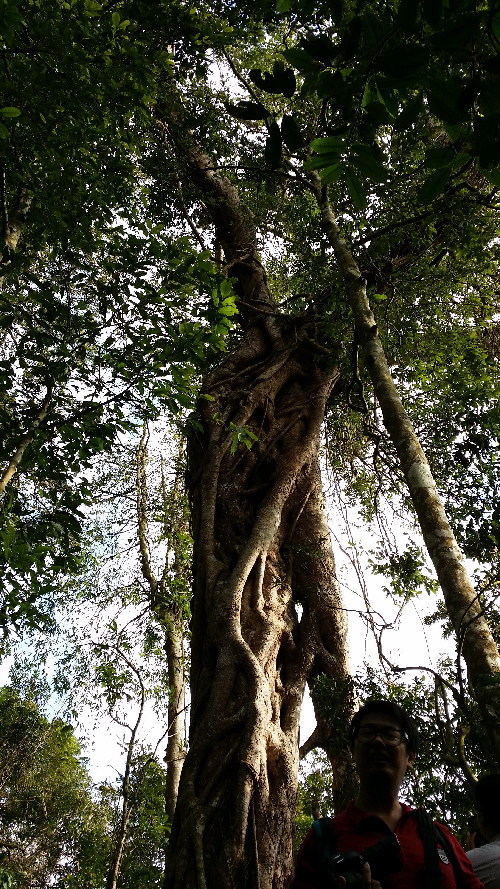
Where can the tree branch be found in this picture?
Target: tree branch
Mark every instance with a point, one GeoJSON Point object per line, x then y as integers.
{"type": "Point", "coordinates": [26, 440]}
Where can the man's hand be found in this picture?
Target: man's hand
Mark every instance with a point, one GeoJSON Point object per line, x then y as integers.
{"type": "Point", "coordinates": [367, 883]}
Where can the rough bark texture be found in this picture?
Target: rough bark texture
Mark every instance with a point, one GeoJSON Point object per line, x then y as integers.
{"type": "Point", "coordinates": [267, 613]}
{"type": "Point", "coordinates": [262, 549]}
{"type": "Point", "coordinates": [16, 219]}
{"type": "Point", "coordinates": [474, 636]}
{"type": "Point", "coordinates": [13, 223]}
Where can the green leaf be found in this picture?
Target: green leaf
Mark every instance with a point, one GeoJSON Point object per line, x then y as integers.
{"type": "Point", "coordinates": [489, 96]}
{"type": "Point", "coordinates": [285, 79]}
{"type": "Point", "coordinates": [437, 157]}
{"type": "Point", "coordinates": [487, 140]}
{"type": "Point", "coordinates": [404, 61]}
{"type": "Point", "coordinates": [407, 15]}
{"type": "Point", "coordinates": [226, 288]}
{"type": "Point", "coordinates": [321, 161]}
{"type": "Point", "coordinates": [456, 132]}
{"type": "Point", "coordinates": [263, 81]}
{"type": "Point", "coordinates": [291, 133]}
{"type": "Point", "coordinates": [228, 308]}
{"type": "Point", "coordinates": [331, 85]}
{"type": "Point", "coordinates": [376, 114]}
{"type": "Point", "coordinates": [241, 435]}
{"type": "Point", "coordinates": [328, 145]}
{"type": "Point", "coordinates": [492, 175]}
{"type": "Point", "coordinates": [328, 153]}
{"type": "Point", "coordinates": [355, 189]}
{"type": "Point", "coordinates": [450, 98]}
{"type": "Point", "coordinates": [460, 159]}
{"type": "Point", "coordinates": [10, 19]}
{"type": "Point", "coordinates": [247, 110]}
{"type": "Point", "coordinates": [273, 149]}
{"type": "Point", "coordinates": [332, 173]}
{"type": "Point", "coordinates": [320, 47]}
{"type": "Point", "coordinates": [457, 36]}
{"type": "Point", "coordinates": [300, 59]}
{"type": "Point", "coordinates": [433, 186]}
{"type": "Point", "coordinates": [4, 133]}
{"type": "Point", "coordinates": [10, 112]}
{"type": "Point", "coordinates": [370, 94]}
{"type": "Point", "coordinates": [432, 12]}
{"type": "Point", "coordinates": [281, 81]}
{"type": "Point", "coordinates": [389, 97]}
{"type": "Point", "coordinates": [366, 159]}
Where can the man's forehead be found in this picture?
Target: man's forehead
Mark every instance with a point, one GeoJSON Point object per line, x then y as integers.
{"type": "Point", "coordinates": [378, 717]}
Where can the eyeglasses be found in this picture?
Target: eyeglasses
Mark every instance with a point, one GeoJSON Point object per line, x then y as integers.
{"type": "Point", "coordinates": [390, 736]}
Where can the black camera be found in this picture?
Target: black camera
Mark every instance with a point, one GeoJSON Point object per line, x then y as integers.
{"type": "Point", "coordinates": [384, 858]}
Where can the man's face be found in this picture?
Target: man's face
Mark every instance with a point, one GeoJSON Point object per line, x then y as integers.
{"type": "Point", "coordinates": [375, 753]}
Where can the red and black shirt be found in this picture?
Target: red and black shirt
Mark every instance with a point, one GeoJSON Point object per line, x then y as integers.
{"type": "Point", "coordinates": [355, 830]}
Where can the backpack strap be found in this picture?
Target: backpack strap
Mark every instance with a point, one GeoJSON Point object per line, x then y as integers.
{"type": "Point", "coordinates": [431, 835]}
{"type": "Point", "coordinates": [427, 833]}
{"type": "Point", "coordinates": [326, 842]}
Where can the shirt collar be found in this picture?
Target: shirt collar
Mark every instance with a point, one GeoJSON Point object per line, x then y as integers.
{"type": "Point", "coordinates": [358, 816]}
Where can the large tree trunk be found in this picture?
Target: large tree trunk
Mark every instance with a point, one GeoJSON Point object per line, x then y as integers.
{"type": "Point", "coordinates": [267, 613]}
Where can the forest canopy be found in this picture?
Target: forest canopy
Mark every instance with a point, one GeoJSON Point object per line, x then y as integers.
{"type": "Point", "coordinates": [247, 249]}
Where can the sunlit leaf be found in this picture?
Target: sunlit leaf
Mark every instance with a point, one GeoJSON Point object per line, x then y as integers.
{"type": "Point", "coordinates": [434, 185]}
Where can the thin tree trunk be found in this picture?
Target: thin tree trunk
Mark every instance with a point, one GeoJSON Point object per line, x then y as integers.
{"type": "Point", "coordinates": [174, 753]}
{"type": "Point", "coordinates": [16, 219]}
{"type": "Point", "coordinates": [13, 223]}
{"type": "Point", "coordinates": [114, 869]}
{"type": "Point", "coordinates": [168, 613]}
{"type": "Point", "coordinates": [475, 639]}
{"type": "Point", "coordinates": [125, 811]}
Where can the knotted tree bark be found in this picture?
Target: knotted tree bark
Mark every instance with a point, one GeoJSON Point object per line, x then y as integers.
{"type": "Point", "coordinates": [267, 612]}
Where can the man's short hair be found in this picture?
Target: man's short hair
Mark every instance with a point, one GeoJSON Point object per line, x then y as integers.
{"type": "Point", "coordinates": [388, 708]}
{"type": "Point", "coordinates": [487, 794]}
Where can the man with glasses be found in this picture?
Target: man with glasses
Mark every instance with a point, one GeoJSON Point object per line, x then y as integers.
{"type": "Point", "coordinates": [402, 848]}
